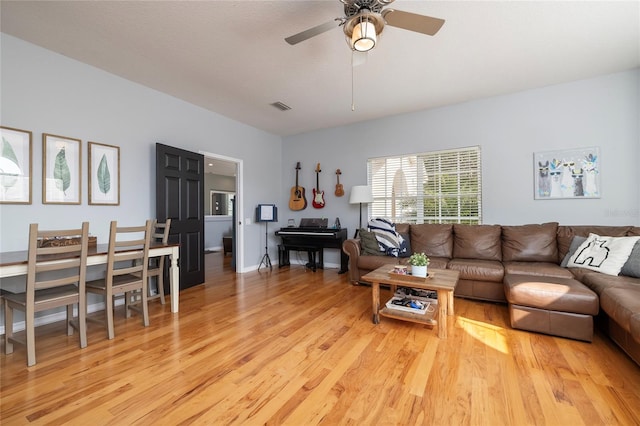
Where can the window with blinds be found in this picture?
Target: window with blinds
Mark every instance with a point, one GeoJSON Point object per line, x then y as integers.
{"type": "Point", "coordinates": [432, 187]}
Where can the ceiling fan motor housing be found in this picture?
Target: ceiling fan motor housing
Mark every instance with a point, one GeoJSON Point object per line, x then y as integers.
{"type": "Point", "coordinates": [353, 7]}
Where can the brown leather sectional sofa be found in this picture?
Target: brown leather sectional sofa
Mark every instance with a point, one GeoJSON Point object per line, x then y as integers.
{"type": "Point", "coordinates": [520, 265]}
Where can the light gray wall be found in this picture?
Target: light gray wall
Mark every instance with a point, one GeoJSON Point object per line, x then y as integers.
{"type": "Point", "coordinates": [602, 112]}
{"type": "Point", "coordinates": [45, 92]}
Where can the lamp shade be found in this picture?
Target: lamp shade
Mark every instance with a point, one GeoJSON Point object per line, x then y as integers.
{"type": "Point", "coordinates": [361, 194]}
{"type": "Point", "coordinates": [364, 36]}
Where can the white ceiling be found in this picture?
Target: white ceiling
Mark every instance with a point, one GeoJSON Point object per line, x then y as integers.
{"type": "Point", "coordinates": [230, 56]}
{"type": "Point", "coordinates": [219, 167]}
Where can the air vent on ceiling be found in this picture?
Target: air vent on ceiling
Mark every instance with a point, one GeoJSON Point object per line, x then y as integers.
{"type": "Point", "coordinates": [281, 106]}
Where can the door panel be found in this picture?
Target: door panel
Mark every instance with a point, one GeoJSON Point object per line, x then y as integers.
{"type": "Point", "coordinates": [180, 196]}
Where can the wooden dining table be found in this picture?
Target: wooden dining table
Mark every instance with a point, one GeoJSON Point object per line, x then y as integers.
{"type": "Point", "coordinates": [14, 263]}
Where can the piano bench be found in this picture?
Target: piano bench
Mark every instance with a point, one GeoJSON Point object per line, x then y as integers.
{"type": "Point", "coordinates": [284, 260]}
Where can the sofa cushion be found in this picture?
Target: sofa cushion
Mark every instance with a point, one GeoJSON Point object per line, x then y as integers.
{"type": "Point", "coordinates": [614, 231]}
{"type": "Point", "coordinates": [530, 243]}
{"type": "Point", "coordinates": [603, 253]}
{"type": "Point", "coordinates": [476, 269]}
{"type": "Point", "coordinates": [477, 242]}
{"type": "Point", "coordinates": [435, 240]}
{"type": "Point", "coordinates": [536, 269]}
{"type": "Point", "coordinates": [369, 263]}
{"type": "Point", "coordinates": [369, 243]}
{"type": "Point", "coordinates": [403, 228]}
{"type": "Point", "coordinates": [634, 327]}
{"type": "Point", "coordinates": [600, 282]}
{"type": "Point", "coordinates": [632, 267]}
{"type": "Point", "coordinates": [621, 303]}
{"type": "Point", "coordinates": [554, 294]}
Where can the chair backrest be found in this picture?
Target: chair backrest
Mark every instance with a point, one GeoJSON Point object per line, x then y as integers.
{"type": "Point", "coordinates": [56, 264]}
{"type": "Point", "coordinates": [161, 231]}
{"type": "Point", "coordinates": [128, 250]}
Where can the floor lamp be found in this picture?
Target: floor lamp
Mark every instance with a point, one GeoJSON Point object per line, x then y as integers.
{"type": "Point", "coordinates": [360, 194]}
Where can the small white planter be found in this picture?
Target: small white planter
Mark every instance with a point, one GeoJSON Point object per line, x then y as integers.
{"type": "Point", "coordinates": [419, 271]}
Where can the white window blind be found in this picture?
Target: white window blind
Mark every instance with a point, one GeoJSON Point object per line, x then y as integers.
{"type": "Point", "coordinates": [432, 187]}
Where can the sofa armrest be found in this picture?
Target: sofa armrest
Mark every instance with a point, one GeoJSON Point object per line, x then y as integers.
{"type": "Point", "coordinates": [352, 248]}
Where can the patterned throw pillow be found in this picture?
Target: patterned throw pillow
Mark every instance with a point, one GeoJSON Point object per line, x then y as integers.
{"type": "Point", "coordinates": [389, 240]}
{"type": "Point", "coordinates": [603, 254]}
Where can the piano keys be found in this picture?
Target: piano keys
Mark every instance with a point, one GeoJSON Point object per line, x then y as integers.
{"type": "Point", "coordinates": [312, 240]}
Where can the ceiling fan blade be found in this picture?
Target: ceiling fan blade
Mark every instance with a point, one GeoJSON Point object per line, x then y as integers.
{"type": "Point", "coordinates": [412, 21]}
{"type": "Point", "coordinates": [311, 32]}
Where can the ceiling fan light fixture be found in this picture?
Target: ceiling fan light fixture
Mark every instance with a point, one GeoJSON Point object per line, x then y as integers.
{"type": "Point", "coordinates": [364, 36]}
{"type": "Point", "coordinates": [362, 30]}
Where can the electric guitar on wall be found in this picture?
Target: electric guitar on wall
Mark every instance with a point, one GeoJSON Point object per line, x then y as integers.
{"type": "Point", "coordinates": [297, 201]}
{"type": "Point", "coordinates": [318, 196]}
{"type": "Point", "coordinates": [339, 188]}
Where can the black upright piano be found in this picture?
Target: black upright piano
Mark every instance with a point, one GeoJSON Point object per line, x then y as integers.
{"type": "Point", "coordinates": [312, 236]}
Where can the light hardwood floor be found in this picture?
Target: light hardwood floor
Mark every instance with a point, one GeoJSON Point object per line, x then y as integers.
{"type": "Point", "coordinates": [297, 347]}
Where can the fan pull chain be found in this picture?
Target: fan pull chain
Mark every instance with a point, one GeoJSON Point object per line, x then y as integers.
{"type": "Point", "coordinates": [353, 104]}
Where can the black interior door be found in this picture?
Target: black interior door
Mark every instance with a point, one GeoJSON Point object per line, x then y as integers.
{"type": "Point", "coordinates": [180, 196]}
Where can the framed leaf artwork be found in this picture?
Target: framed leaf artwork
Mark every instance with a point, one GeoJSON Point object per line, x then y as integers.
{"type": "Point", "coordinates": [61, 170]}
{"type": "Point", "coordinates": [15, 166]}
{"type": "Point", "coordinates": [104, 174]}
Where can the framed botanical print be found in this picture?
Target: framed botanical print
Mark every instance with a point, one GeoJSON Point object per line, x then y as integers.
{"type": "Point", "coordinates": [61, 170]}
{"type": "Point", "coordinates": [104, 174]}
{"type": "Point", "coordinates": [16, 157]}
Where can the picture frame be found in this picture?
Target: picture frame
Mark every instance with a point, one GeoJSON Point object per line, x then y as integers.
{"type": "Point", "coordinates": [567, 174]}
{"type": "Point", "coordinates": [104, 174]}
{"type": "Point", "coordinates": [16, 165]}
{"type": "Point", "coordinates": [61, 170]}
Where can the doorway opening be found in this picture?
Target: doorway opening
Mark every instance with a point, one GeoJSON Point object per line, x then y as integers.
{"type": "Point", "coordinates": [223, 208]}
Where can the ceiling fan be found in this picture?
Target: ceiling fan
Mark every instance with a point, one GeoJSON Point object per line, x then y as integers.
{"type": "Point", "coordinates": [364, 21]}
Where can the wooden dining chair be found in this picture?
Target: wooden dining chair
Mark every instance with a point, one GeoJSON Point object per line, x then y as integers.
{"type": "Point", "coordinates": [127, 266]}
{"type": "Point", "coordinates": [50, 284]}
{"type": "Point", "coordinates": [156, 264]}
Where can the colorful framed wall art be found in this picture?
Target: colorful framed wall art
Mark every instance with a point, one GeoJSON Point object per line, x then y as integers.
{"type": "Point", "coordinates": [567, 174]}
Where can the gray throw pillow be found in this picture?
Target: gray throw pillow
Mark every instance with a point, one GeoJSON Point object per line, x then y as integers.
{"type": "Point", "coordinates": [632, 267]}
{"type": "Point", "coordinates": [407, 252]}
{"type": "Point", "coordinates": [575, 243]}
{"type": "Point", "coordinates": [369, 243]}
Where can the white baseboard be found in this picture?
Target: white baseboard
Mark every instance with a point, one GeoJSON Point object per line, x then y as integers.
{"type": "Point", "coordinates": [59, 316]}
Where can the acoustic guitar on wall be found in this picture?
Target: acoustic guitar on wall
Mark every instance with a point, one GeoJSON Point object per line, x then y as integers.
{"type": "Point", "coordinates": [318, 196]}
{"type": "Point", "coordinates": [339, 188]}
{"type": "Point", "coordinates": [297, 200]}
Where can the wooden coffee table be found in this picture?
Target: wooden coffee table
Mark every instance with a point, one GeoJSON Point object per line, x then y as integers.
{"type": "Point", "coordinates": [443, 281]}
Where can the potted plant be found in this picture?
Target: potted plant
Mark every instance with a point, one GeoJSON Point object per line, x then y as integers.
{"type": "Point", "coordinates": [419, 263]}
